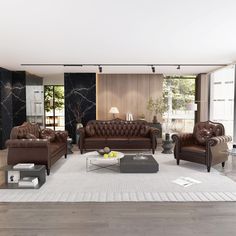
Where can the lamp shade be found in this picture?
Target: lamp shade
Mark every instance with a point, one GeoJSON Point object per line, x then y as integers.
{"type": "Point", "coordinates": [191, 106]}
{"type": "Point", "coordinates": [114, 110]}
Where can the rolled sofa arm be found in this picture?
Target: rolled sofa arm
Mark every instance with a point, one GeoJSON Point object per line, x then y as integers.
{"type": "Point", "coordinates": [27, 143]}
{"type": "Point", "coordinates": [153, 134]}
{"type": "Point", "coordinates": [218, 139]}
{"type": "Point", "coordinates": [61, 136]}
{"type": "Point", "coordinates": [183, 139]}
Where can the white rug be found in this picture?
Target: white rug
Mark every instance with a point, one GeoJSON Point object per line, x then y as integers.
{"type": "Point", "coordinates": [69, 182]}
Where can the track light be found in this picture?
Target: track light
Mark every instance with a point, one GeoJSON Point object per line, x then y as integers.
{"type": "Point", "coordinates": [153, 69]}
{"type": "Point", "coordinates": [100, 69]}
{"type": "Point", "coordinates": [178, 67]}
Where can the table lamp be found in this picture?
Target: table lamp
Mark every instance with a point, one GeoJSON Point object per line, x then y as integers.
{"type": "Point", "coordinates": [113, 111]}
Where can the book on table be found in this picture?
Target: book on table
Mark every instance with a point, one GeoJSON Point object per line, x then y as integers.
{"type": "Point", "coordinates": [28, 182]}
{"type": "Point", "coordinates": [24, 166]}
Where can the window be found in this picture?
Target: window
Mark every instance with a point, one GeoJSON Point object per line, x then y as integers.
{"type": "Point", "coordinates": [178, 92]}
{"type": "Point", "coordinates": [54, 107]}
{"type": "Point", "coordinates": [222, 98]}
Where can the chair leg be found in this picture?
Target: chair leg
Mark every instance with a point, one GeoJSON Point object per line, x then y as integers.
{"type": "Point", "coordinates": [81, 151]}
{"type": "Point", "coordinates": [66, 155]}
{"type": "Point", "coordinates": [153, 151]}
{"type": "Point", "coordinates": [177, 161]}
{"type": "Point", "coordinates": [208, 168]}
{"type": "Point", "coordinates": [48, 171]}
{"type": "Point", "coordinates": [223, 164]}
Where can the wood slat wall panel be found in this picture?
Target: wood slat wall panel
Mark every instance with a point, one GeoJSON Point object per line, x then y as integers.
{"type": "Point", "coordinates": [128, 92]}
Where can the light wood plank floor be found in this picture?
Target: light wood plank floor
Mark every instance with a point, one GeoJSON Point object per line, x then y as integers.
{"type": "Point", "coordinates": [111, 219]}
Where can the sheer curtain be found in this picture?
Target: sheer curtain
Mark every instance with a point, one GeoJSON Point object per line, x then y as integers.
{"type": "Point", "coordinates": [222, 84]}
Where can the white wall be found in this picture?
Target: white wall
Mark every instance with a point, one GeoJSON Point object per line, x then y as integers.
{"type": "Point", "coordinates": [53, 79]}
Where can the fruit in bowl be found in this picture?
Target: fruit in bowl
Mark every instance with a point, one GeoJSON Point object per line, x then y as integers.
{"type": "Point", "coordinates": [105, 150]}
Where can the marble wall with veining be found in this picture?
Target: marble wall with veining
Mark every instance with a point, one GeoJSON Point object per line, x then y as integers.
{"type": "Point", "coordinates": [6, 105]}
{"type": "Point", "coordinates": [18, 98]}
{"type": "Point", "coordinates": [80, 100]}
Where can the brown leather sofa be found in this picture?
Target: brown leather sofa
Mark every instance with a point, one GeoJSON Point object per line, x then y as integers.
{"type": "Point", "coordinates": [29, 144]}
{"type": "Point", "coordinates": [117, 134]}
{"type": "Point", "coordinates": [206, 145]}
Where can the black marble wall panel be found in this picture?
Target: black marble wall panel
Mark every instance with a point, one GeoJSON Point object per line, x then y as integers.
{"type": "Point", "coordinates": [13, 102]}
{"type": "Point", "coordinates": [80, 100]}
{"type": "Point", "coordinates": [18, 97]}
{"type": "Point", "coordinates": [6, 105]}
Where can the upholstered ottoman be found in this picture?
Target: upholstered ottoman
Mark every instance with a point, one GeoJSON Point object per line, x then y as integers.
{"type": "Point", "coordinates": [129, 164]}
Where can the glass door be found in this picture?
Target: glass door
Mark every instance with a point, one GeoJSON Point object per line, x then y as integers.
{"type": "Point", "coordinates": [54, 107]}
{"type": "Point", "coordinates": [178, 92]}
{"type": "Point", "coordinates": [222, 98]}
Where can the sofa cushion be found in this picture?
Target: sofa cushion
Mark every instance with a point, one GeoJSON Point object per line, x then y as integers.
{"type": "Point", "coordinates": [194, 149]}
{"type": "Point", "coordinates": [30, 136]}
{"type": "Point", "coordinates": [95, 139]}
{"type": "Point", "coordinates": [48, 134]}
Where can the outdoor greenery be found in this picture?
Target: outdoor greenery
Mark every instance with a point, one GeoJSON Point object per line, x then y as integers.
{"type": "Point", "coordinates": [183, 91]}
{"type": "Point", "coordinates": [58, 97]}
{"type": "Point", "coordinates": [157, 105]}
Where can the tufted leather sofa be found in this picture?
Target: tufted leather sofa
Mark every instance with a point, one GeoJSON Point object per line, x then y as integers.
{"type": "Point", "coordinates": [206, 145]}
{"type": "Point", "coordinates": [29, 144]}
{"type": "Point", "coordinates": [117, 134]}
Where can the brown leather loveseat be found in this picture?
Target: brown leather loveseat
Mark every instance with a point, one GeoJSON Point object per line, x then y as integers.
{"type": "Point", "coordinates": [117, 134]}
{"type": "Point", "coordinates": [206, 145]}
{"type": "Point", "coordinates": [29, 144]}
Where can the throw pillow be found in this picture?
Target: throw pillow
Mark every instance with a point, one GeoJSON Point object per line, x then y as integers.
{"type": "Point", "coordinates": [48, 134]}
{"type": "Point", "coordinates": [203, 135]}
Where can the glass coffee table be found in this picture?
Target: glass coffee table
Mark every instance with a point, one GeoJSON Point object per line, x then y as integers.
{"type": "Point", "coordinates": [95, 161]}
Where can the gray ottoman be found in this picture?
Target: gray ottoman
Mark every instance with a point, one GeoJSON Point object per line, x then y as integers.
{"type": "Point", "coordinates": [129, 165]}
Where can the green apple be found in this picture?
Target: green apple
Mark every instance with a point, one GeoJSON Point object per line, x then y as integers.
{"type": "Point", "coordinates": [105, 155]}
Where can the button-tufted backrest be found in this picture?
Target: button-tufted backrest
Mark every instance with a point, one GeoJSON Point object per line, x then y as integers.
{"type": "Point", "coordinates": [26, 128]}
{"type": "Point", "coordinates": [205, 130]}
{"type": "Point", "coordinates": [117, 127]}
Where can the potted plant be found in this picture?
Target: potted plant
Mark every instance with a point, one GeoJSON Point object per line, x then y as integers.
{"type": "Point", "coordinates": [156, 106]}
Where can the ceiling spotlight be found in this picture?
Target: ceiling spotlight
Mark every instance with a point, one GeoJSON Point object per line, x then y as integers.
{"type": "Point", "coordinates": [100, 69]}
{"type": "Point", "coordinates": [178, 67]}
{"type": "Point", "coordinates": [153, 69]}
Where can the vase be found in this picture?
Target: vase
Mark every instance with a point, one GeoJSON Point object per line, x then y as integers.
{"type": "Point", "coordinates": [167, 146]}
{"type": "Point", "coordinates": [154, 120]}
{"type": "Point", "coordinates": [78, 125]}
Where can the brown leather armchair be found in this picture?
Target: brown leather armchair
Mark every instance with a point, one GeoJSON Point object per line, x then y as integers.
{"type": "Point", "coordinates": [206, 145]}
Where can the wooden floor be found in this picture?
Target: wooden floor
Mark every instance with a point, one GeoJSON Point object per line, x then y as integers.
{"type": "Point", "coordinates": [111, 219]}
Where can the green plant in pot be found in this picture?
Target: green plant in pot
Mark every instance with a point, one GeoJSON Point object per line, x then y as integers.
{"type": "Point", "coordinates": [156, 106]}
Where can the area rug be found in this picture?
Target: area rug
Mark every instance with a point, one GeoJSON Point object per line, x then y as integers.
{"type": "Point", "coordinates": [70, 182]}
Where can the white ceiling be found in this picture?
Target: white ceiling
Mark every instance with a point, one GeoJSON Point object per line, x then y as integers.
{"type": "Point", "coordinates": [117, 31]}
